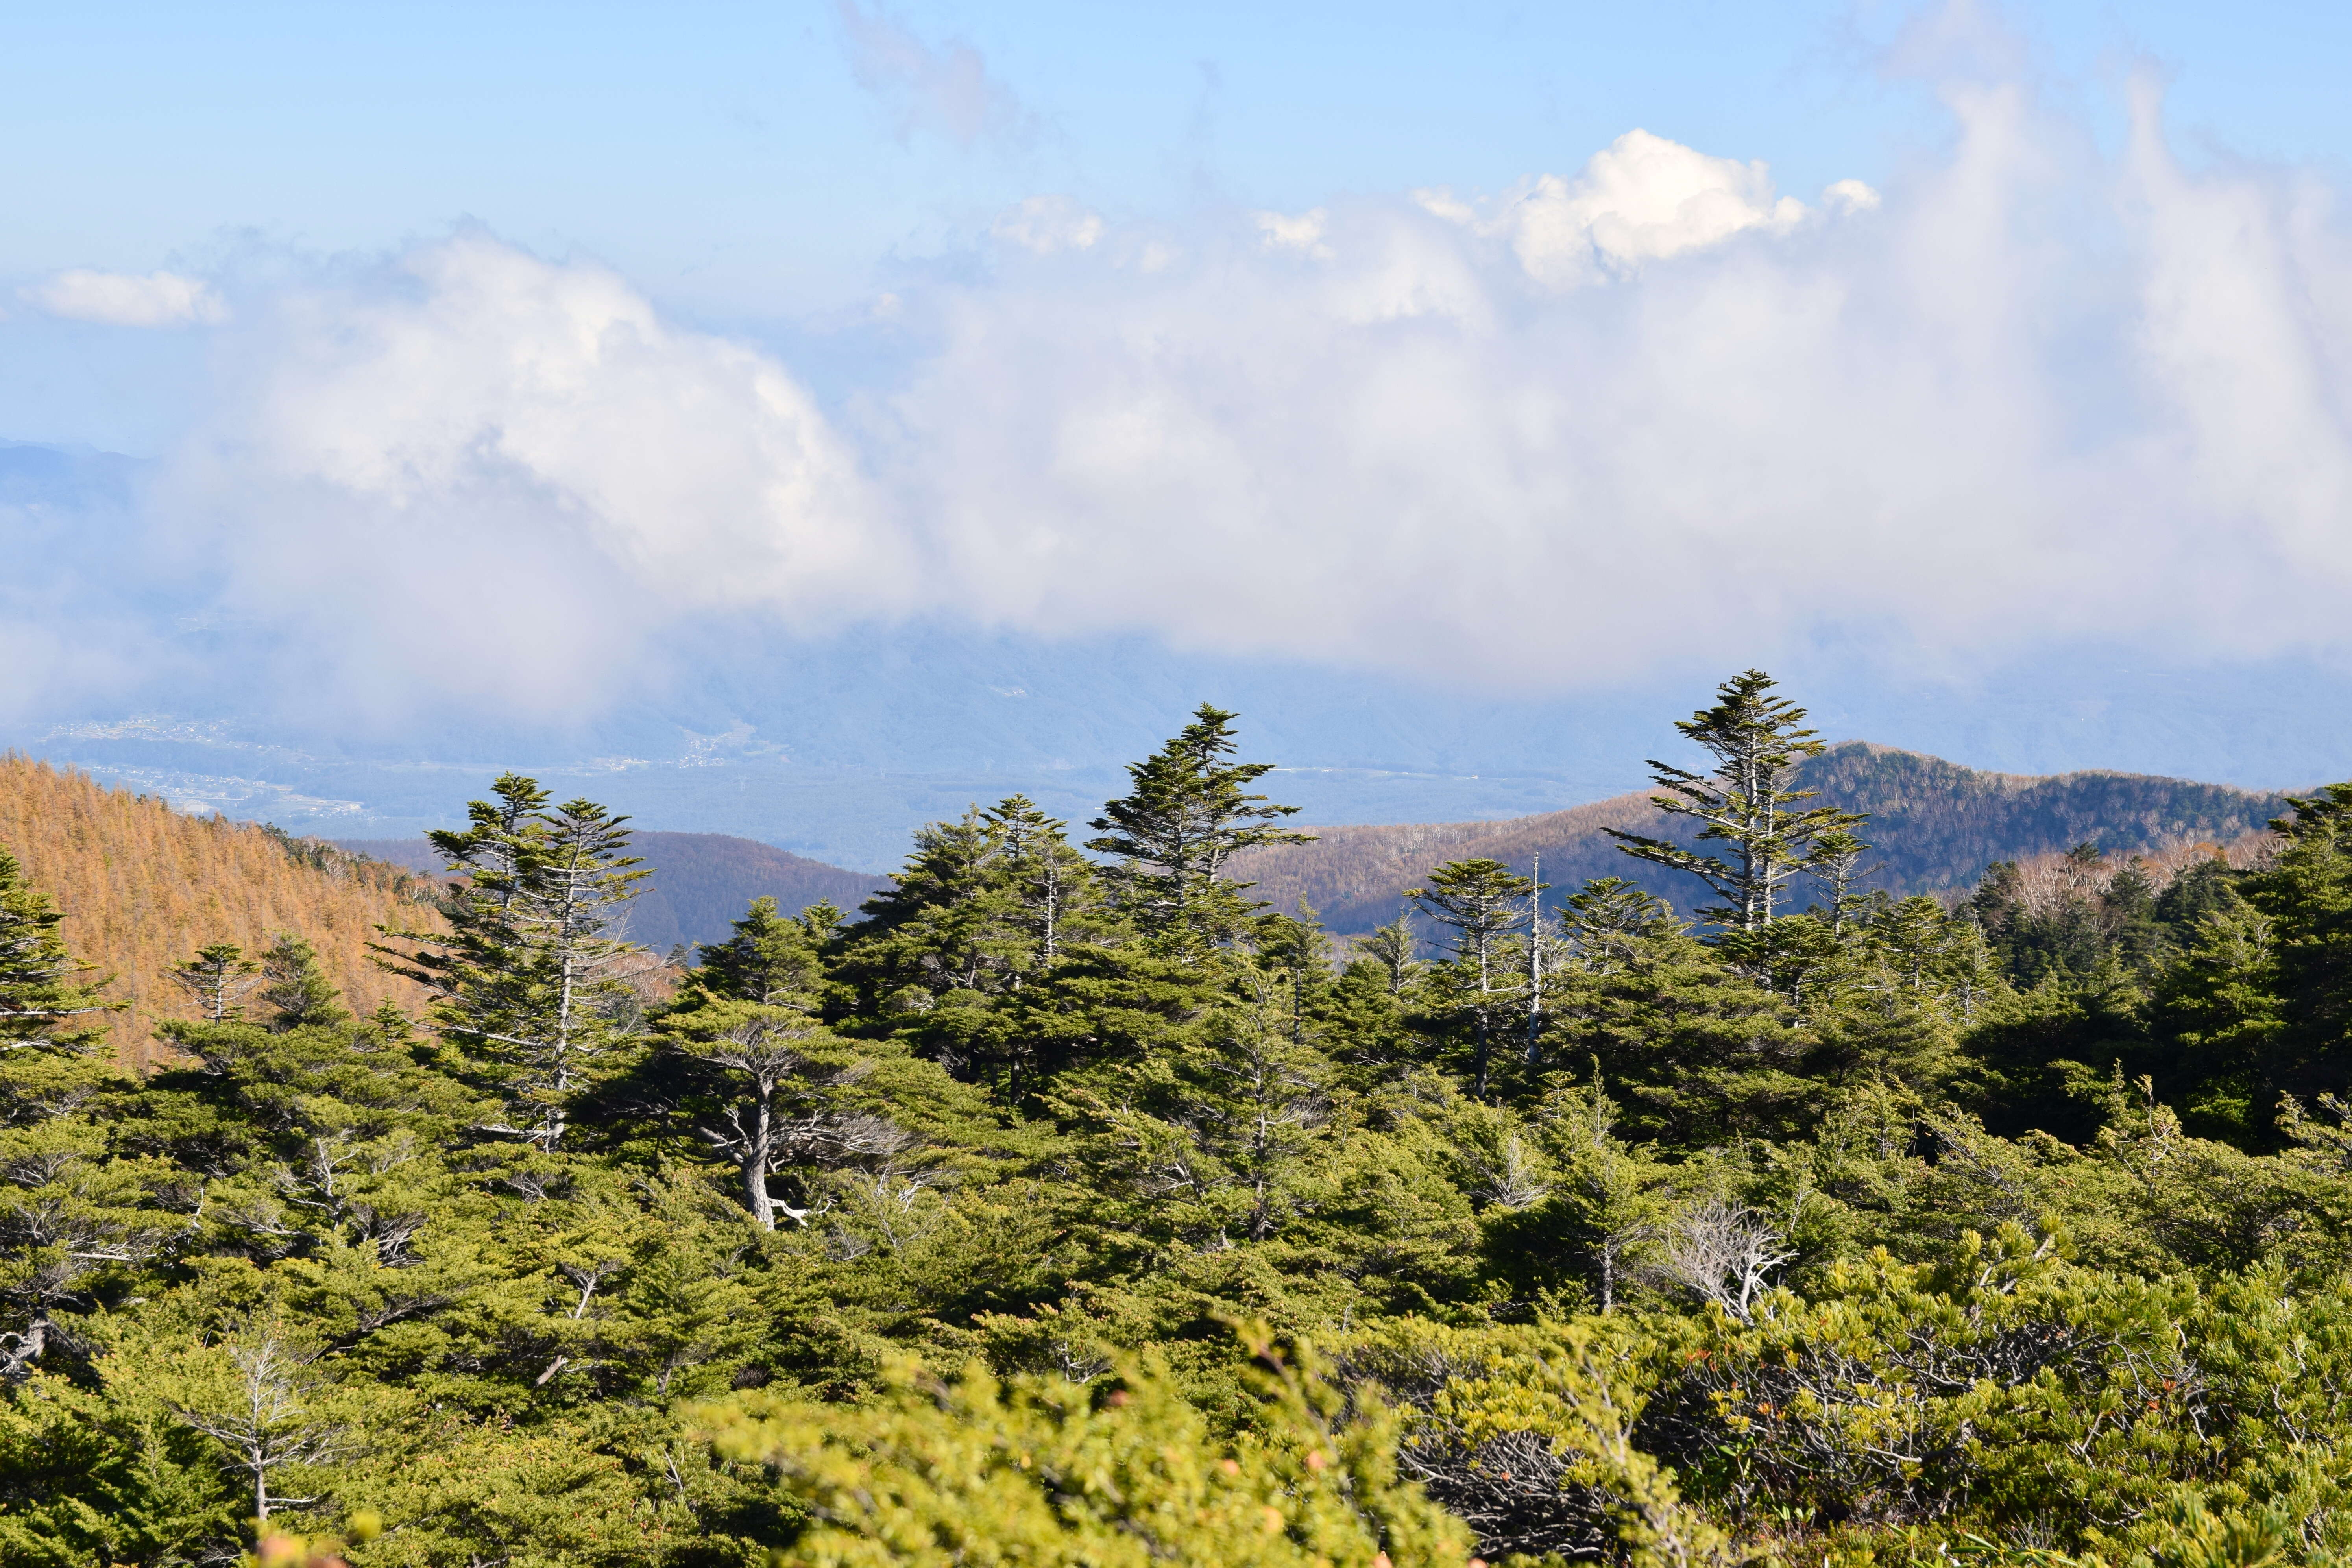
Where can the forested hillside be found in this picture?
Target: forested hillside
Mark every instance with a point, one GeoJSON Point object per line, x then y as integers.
{"type": "Point", "coordinates": [1938, 825]}
{"type": "Point", "coordinates": [1064, 1204]}
{"type": "Point", "coordinates": [701, 881]}
{"type": "Point", "coordinates": [143, 886]}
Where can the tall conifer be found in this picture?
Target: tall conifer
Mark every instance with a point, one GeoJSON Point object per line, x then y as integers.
{"type": "Point", "coordinates": [1745, 804]}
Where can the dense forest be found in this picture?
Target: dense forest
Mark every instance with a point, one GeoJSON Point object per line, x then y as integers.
{"type": "Point", "coordinates": [1067, 1205]}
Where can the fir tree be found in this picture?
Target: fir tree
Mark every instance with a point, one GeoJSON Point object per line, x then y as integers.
{"type": "Point", "coordinates": [1188, 812]}
{"type": "Point", "coordinates": [1483, 902]}
{"type": "Point", "coordinates": [1745, 804]}
{"type": "Point", "coordinates": [768, 959]}
{"type": "Point", "coordinates": [1394, 948]}
{"type": "Point", "coordinates": [528, 980]}
{"type": "Point", "coordinates": [219, 978]}
{"type": "Point", "coordinates": [45, 1001]}
{"type": "Point", "coordinates": [296, 990]}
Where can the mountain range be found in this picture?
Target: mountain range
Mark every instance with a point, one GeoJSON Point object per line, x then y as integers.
{"type": "Point", "coordinates": [701, 881]}
{"type": "Point", "coordinates": [1934, 827]}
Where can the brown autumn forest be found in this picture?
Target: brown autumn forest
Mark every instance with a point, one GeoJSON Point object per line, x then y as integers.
{"type": "Point", "coordinates": [143, 887]}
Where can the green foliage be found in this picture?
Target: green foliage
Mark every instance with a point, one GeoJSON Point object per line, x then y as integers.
{"type": "Point", "coordinates": [1188, 813]}
{"type": "Point", "coordinates": [1040, 1470]}
{"type": "Point", "coordinates": [1881, 1231]}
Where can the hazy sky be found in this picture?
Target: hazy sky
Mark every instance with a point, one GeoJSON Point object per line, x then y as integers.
{"type": "Point", "coordinates": [1537, 344]}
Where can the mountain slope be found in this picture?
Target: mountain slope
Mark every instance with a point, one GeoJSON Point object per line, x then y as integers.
{"type": "Point", "coordinates": [1933, 824]}
{"type": "Point", "coordinates": [701, 881]}
{"type": "Point", "coordinates": [143, 887]}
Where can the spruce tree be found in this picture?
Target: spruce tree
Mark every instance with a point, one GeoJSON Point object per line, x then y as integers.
{"type": "Point", "coordinates": [1189, 812]}
{"type": "Point", "coordinates": [1745, 804]}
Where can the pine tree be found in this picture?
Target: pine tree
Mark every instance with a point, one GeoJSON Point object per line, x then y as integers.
{"type": "Point", "coordinates": [1483, 902]}
{"type": "Point", "coordinates": [1746, 804]}
{"type": "Point", "coordinates": [1188, 812]}
{"type": "Point", "coordinates": [528, 980]}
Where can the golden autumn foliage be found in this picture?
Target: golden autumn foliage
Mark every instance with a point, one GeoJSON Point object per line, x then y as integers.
{"type": "Point", "coordinates": [143, 887]}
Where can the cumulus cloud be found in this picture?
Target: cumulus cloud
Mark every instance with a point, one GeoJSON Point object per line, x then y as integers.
{"type": "Point", "coordinates": [1649, 414]}
{"type": "Point", "coordinates": [1656, 412]}
{"type": "Point", "coordinates": [944, 87]}
{"type": "Point", "coordinates": [486, 474]}
{"type": "Point", "coordinates": [121, 299]}
{"type": "Point", "coordinates": [1643, 198]}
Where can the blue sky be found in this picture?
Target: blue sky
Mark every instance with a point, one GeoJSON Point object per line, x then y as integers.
{"type": "Point", "coordinates": [1543, 351]}
{"type": "Point", "coordinates": [729, 159]}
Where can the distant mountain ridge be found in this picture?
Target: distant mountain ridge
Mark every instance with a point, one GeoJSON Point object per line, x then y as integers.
{"type": "Point", "coordinates": [701, 881]}
{"type": "Point", "coordinates": [1934, 825]}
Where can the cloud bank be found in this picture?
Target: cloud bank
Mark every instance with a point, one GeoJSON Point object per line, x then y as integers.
{"type": "Point", "coordinates": [1653, 414]}
{"type": "Point", "coordinates": [121, 299]}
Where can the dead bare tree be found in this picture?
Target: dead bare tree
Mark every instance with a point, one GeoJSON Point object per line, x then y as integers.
{"type": "Point", "coordinates": [1725, 1254]}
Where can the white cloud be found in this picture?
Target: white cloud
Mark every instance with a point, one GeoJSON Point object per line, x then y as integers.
{"type": "Point", "coordinates": [2028, 393]}
{"type": "Point", "coordinates": [945, 87]}
{"type": "Point", "coordinates": [1851, 196]}
{"type": "Point", "coordinates": [488, 474]}
{"type": "Point", "coordinates": [1642, 198]}
{"type": "Point", "coordinates": [1302, 233]}
{"type": "Point", "coordinates": [2037, 395]}
{"type": "Point", "coordinates": [121, 299]}
{"type": "Point", "coordinates": [1043, 225]}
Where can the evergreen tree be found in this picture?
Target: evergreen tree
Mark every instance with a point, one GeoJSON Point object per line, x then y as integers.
{"type": "Point", "coordinates": [1189, 811]}
{"type": "Point", "coordinates": [296, 990]}
{"type": "Point", "coordinates": [45, 999]}
{"type": "Point", "coordinates": [1394, 948]}
{"type": "Point", "coordinates": [1483, 902]}
{"type": "Point", "coordinates": [219, 978]}
{"type": "Point", "coordinates": [1609, 920]}
{"type": "Point", "coordinates": [1055, 888]}
{"type": "Point", "coordinates": [777, 1104]}
{"type": "Point", "coordinates": [1745, 804]}
{"type": "Point", "coordinates": [528, 980]}
{"type": "Point", "coordinates": [769, 959]}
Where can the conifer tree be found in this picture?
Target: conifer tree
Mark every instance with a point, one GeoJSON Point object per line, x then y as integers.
{"type": "Point", "coordinates": [769, 959]}
{"type": "Point", "coordinates": [296, 990]}
{"type": "Point", "coordinates": [1605, 920]}
{"type": "Point", "coordinates": [219, 978]}
{"type": "Point", "coordinates": [528, 980]}
{"type": "Point", "coordinates": [1393, 947]}
{"type": "Point", "coordinates": [1483, 902]}
{"type": "Point", "coordinates": [1189, 811]}
{"type": "Point", "coordinates": [46, 999]}
{"type": "Point", "coordinates": [1055, 888]}
{"type": "Point", "coordinates": [1745, 804]}
{"type": "Point", "coordinates": [777, 1103]}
